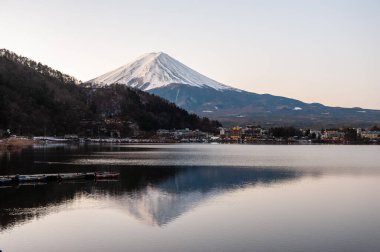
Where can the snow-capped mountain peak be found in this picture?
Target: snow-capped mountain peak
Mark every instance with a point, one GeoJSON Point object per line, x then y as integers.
{"type": "Point", "coordinates": [155, 70]}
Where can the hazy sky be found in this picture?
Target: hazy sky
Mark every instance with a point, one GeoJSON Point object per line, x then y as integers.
{"type": "Point", "coordinates": [315, 51]}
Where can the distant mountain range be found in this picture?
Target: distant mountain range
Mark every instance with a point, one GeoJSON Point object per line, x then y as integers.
{"type": "Point", "coordinates": [162, 75]}
{"type": "Point", "coordinates": [36, 99]}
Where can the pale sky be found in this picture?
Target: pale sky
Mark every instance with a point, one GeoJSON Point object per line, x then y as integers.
{"type": "Point", "coordinates": [317, 51]}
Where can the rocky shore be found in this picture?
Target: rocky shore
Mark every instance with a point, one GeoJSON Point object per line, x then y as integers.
{"type": "Point", "coordinates": [15, 143]}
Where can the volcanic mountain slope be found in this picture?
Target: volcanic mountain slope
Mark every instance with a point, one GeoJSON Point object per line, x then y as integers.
{"type": "Point", "coordinates": [37, 100]}
{"type": "Point", "coordinates": [162, 75]}
{"type": "Point", "coordinates": [157, 70]}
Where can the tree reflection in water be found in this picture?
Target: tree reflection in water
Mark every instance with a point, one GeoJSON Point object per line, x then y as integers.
{"type": "Point", "coordinates": [155, 195]}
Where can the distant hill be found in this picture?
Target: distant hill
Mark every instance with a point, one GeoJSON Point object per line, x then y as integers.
{"type": "Point", "coordinates": [231, 108]}
{"type": "Point", "coordinates": [160, 74]}
{"type": "Point", "coordinates": [123, 108]}
{"type": "Point", "coordinates": [36, 99]}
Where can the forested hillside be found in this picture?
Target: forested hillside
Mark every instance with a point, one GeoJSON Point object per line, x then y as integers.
{"type": "Point", "coordinates": [36, 100]}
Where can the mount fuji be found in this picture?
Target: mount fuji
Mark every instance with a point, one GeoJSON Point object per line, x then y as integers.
{"type": "Point", "coordinates": [157, 70]}
{"type": "Point", "coordinates": [162, 75]}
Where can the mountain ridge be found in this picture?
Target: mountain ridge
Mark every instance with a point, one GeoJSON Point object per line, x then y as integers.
{"type": "Point", "coordinates": [227, 104]}
{"type": "Point", "coordinates": [38, 66]}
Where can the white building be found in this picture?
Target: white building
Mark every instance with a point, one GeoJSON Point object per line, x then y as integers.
{"type": "Point", "coordinates": [332, 135]}
{"type": "Point", "coordinates": [373, 135]}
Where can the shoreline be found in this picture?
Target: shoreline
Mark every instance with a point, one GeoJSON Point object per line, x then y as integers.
{"type": "Point", "coordinates": [150, 141]}
{"type": "Point", "coordinates": [15, 143]}
{"type": "Point", "coordinates": [19, 143]}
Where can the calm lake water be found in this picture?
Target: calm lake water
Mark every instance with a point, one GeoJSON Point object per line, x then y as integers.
{"type": "Point", "coordinates": [195, 198]}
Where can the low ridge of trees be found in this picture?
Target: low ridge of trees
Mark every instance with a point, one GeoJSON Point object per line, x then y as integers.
{"type": "Point", "coordinates": [375, 128]}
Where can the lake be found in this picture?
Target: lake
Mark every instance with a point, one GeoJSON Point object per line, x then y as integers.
{"type": "Point", "coordinates": [195, 197]}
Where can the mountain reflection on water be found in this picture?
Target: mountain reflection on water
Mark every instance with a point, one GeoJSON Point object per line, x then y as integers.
{"type": "Point", "coordinates": [194, 197]}
{"type": "Point", "coordinates": [155, 195]}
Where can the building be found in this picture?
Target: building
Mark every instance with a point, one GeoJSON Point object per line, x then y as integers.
{"type": "Point", "coordinates": [236, 133]}
{"type": "Point", "coordinates": [372, 135]}
{"type": "Point", "coordinates": [181, 134]}
{"type": "Point", "coordinates": [253, 132]}
{"type": "Point", "coordinates": [222, 131]}
{"type": "Point", "coordinates": [332, 135]}
{"type": "Point", "coordinates": [315, 134]}
{"type": "Point", "coordinates": [71, 137]}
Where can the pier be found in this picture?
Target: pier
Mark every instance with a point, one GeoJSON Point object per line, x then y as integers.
{"type": "Point", "coordinates": [56, 177]}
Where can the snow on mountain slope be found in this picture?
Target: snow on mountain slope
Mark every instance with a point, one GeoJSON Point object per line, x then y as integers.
{"type": "Point", "coordinates": [155, 70]}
